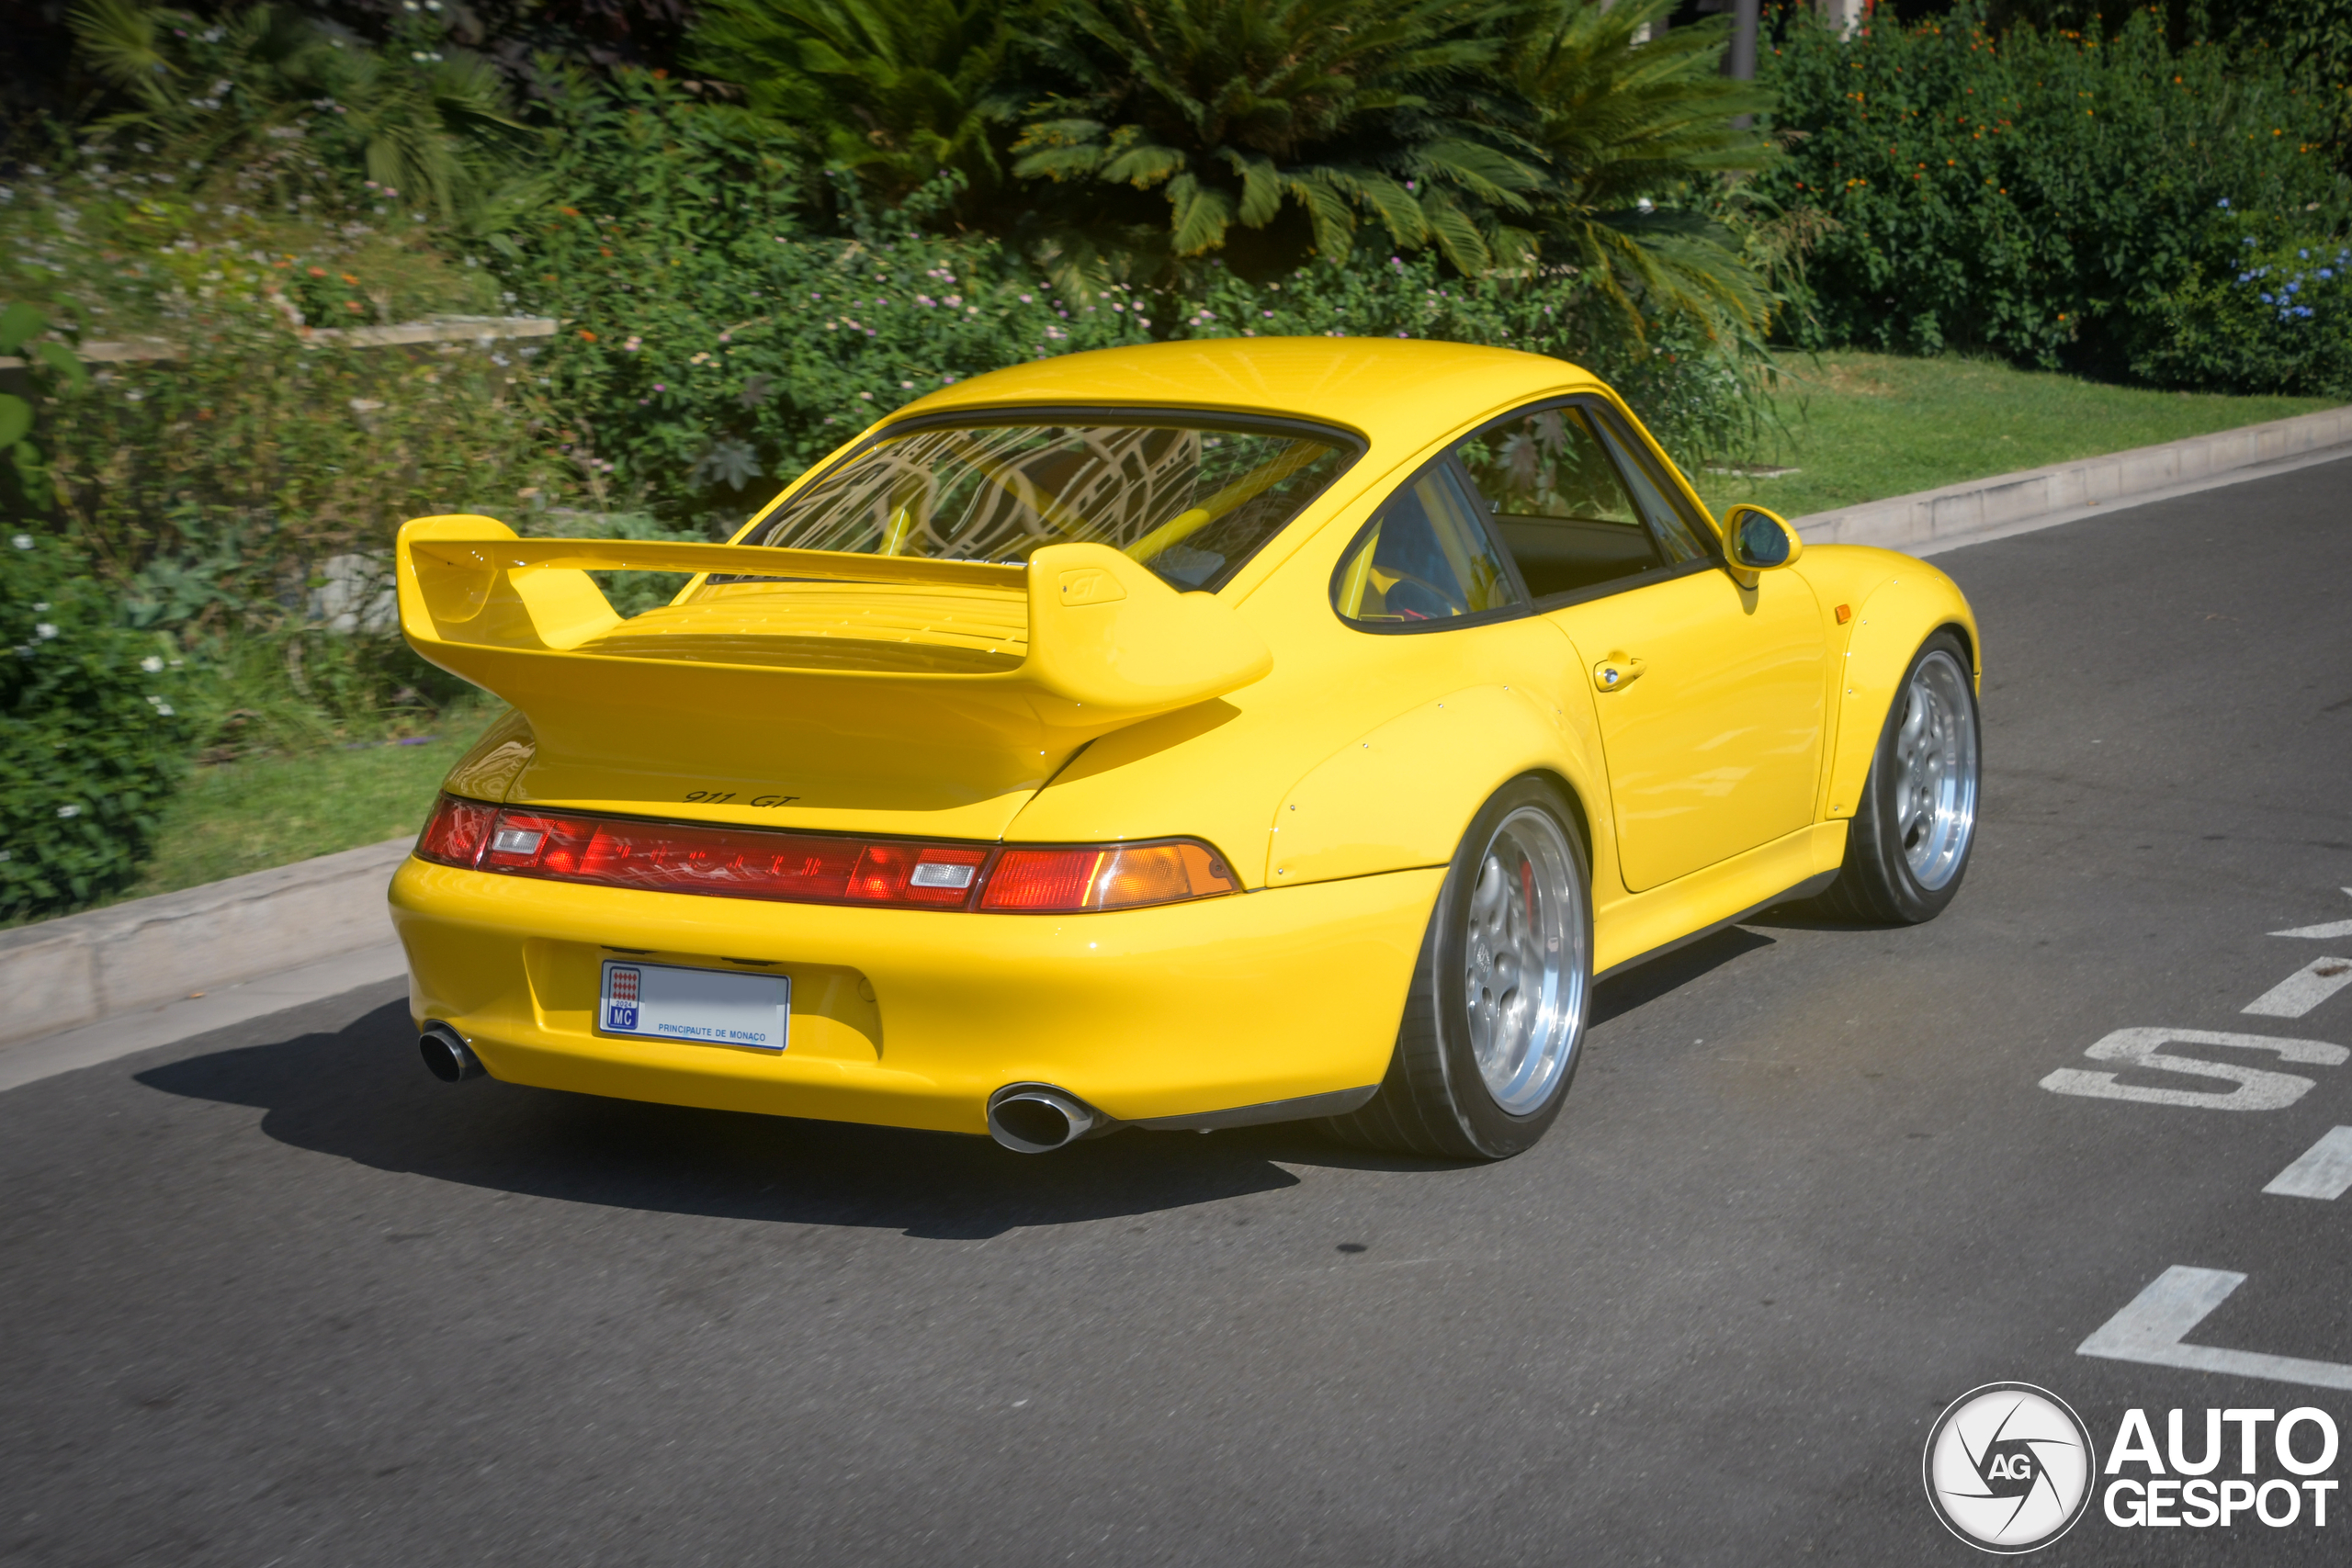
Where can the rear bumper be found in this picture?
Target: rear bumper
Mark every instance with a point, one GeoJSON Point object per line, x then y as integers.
{"type": "Point", "coordinates": [911, 1017]}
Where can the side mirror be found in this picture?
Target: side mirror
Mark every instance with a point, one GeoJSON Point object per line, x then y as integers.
{"type": "Point", "coordinates": [1759, 540]}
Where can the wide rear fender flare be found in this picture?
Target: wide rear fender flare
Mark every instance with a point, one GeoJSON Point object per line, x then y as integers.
{"type": "Point", "coordinates": [1402, 794]}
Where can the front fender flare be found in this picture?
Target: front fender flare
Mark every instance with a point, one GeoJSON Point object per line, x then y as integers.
{"type": "Point", "coordinates": [1895, 619]}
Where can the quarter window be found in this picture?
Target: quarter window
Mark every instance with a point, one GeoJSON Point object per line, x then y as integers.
{"type": "Point", "coordinates": [1426, 557]}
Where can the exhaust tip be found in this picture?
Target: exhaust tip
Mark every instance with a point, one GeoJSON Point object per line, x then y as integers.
{"type": "Point", "coordinates": [1036, 1118]}
{"type": "Point", "coordinates": [446, 1055]}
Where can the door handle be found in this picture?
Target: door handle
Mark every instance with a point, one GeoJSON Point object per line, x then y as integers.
{"type": "Point", "coordinates": [1616, 672]}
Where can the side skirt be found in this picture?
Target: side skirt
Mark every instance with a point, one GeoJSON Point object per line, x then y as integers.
{"type": "Point", "coordinates": [1817, 882]}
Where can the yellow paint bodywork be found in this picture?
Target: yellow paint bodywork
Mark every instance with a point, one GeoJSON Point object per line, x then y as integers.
{"type": "Point", "coordinates": [911, 1017]}
{"type": "Point", "coordinates": [1078, 699]}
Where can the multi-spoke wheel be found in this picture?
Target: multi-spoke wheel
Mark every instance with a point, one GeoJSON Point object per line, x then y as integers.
{"type": "Point", "coordinates": [1916, 820]}
{"type": "Point", "coordinates": [1496, 1010]}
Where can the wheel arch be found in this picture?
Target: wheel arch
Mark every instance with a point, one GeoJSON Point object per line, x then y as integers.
{"type": "Point", "coordinates": [1573, 796]}
{"type": "Point", "coordinates": [1894, 621]}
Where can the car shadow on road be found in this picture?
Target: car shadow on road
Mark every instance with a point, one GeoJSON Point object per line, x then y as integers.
{"type": "Point", "coordinates": [1645, 983]}
{"type": "Point", "coordinates": [360, 1094]}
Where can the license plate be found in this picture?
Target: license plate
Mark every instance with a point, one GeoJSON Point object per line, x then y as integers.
{"type": "Point", "coordinates": [702, 1007]}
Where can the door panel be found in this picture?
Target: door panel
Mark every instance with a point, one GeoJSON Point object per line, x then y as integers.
{"type": "Point", "coordinates": [1713, 728]}
{"type": "Point", "coordinates": [1710, 700]}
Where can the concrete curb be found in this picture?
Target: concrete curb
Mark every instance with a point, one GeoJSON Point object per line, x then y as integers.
{"type": "Point", "coordinates": [1937, 519]}
{"type": "Point", "coordinates": [84, 969]}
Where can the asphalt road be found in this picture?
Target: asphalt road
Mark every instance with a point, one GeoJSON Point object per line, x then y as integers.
{"type": "Point", "coordinates": [273, 1296]}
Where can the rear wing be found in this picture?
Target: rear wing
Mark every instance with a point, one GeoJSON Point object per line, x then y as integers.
{"type": "Point", "coordinates": [1108, 644]}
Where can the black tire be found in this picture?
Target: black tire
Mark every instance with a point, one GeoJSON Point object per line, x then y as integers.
{"type": "Point", "coordinates": [1433, 1099]}
{"type": "Point", "coordinates": [1876, 885]}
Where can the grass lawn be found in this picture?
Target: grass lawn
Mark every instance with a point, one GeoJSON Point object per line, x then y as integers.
{"type": "Point", "coordinates": [231, 817]}
{"type": "Point", "coordinates": [1866, 426]}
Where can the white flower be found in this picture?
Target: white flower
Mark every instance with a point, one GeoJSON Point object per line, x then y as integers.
{"type": "Point", "coordinates": [45, 628]}
{"type": "Point", "coordinates": [152, 664]}
{"type": "Point", "coordinates": [7, 854]}
{"type": "Point", "coordinates": [164, 708]}
{"type": "Point", "coordinates": [23, 541]}
{"type": "Point", "coordinates": [69, 811]}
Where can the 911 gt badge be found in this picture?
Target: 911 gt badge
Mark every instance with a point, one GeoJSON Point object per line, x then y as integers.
{"type": "Point", "coordinates": [620, 1006]}
{"type": "Point", "coordinates": [2009, 1468]}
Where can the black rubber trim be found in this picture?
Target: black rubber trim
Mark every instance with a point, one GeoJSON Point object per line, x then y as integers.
{"type": "Point", "coordinates": [1306, 1107]}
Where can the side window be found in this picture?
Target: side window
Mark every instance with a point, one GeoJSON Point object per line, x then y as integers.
{"type": "Point", "coordinates": [1558, 500]}
{"type": "Point", "coordinates": [1656, 494]}
{"type": "Point", "coordinates": [1425, 558]}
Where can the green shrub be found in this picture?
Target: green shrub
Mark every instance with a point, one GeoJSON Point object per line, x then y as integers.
{"type": "Point", "coordinates": [1698, 394]}
{"type": "Point", "coordinates": [91, 739]}
{"type": "Point", "coordinates": [2266, 309]}
{"type": "Point", "coordinates": [712, 348]}
{"type": "Point", "coordinates": [2038, 196]}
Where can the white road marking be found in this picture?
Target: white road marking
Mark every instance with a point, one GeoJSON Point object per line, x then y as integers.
{"type": "Point", "coordinates": [2324, 1172]}
{"type": "Point", "coordinates": [2304, 990]}
{"type": "Point", "coordinates": [2333, 928]}
{"type": "Point", "coordinates": [2152, 1328]}
{"type": "Point", "coordinates": [2257, 1089]}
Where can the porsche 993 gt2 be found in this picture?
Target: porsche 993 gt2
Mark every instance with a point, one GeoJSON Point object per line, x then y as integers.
{"type": "Point", "coordinates": [1181, 738]}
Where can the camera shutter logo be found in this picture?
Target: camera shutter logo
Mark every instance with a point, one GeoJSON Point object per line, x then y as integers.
{"type": "Point", "coordinates": [2008, 1467]}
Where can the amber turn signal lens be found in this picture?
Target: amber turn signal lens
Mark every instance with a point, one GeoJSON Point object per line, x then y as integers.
{"type": "Point", "coordinates": [1109, 877]}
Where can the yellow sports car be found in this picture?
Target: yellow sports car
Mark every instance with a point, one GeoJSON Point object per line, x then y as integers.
{"type": "Point", "coordinates": [1181, 738]}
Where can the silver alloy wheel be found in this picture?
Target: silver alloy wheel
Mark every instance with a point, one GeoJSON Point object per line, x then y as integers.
{"type": "Point", "coordinates": [1935, 771]}
{"type": "Point", "coordinates": [1524, 961]}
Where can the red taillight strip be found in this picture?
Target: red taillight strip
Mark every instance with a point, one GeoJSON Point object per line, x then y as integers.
{"type": "Point", "coordinates": [818, 868]}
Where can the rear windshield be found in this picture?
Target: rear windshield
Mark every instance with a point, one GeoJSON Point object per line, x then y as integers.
{"type": "Point", "coordinates": [1190, 500]}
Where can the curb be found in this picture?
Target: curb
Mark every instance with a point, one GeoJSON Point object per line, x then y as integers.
{"type": "Point", "coordinates": [1977, 510]}
{"type": "Point", "coordinates": [61, 974]}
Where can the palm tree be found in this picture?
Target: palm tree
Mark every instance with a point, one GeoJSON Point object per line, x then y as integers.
{"type": "Point", "coordinates": [427, 121]}
{"type": "Point", "coordinates": [1241, 113]}
{"type": "Point", "coordinates": [897, 91]}
{"type": "Point", "coordinates": [1635, 129]}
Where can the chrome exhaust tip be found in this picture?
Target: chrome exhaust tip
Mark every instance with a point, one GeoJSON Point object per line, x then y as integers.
{"type": "Point", "coordinates": [446, 1055]}
{"type": "Point", "coordinates": [1037, 1119]}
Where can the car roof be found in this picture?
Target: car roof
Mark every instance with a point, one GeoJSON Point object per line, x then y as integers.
{"type": "Point", "coordinates": [1407, 389]}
